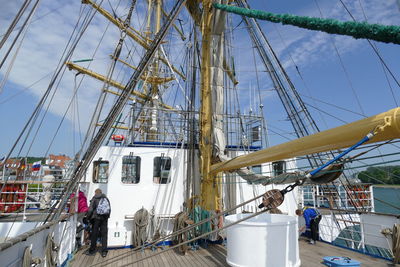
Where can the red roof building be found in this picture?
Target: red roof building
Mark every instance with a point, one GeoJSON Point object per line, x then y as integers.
{"type": "Point", "coordinates": [57, 160]}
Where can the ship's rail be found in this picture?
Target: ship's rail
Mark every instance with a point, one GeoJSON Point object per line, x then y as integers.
{"type": "Point", "coordinates": [362, 231]}
{"type": "Point", "coordinates": [165, 126]}
{"type": "Point", "coordinates": [23, 200]}
{"type": "Point", "coordinates": [348, 197]}
{"type": "Point", "coordinates": [36, 241]}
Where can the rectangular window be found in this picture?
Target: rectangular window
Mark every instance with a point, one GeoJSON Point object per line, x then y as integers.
{"type": "Point", "coordinates": [100, 171]}
{"type": "Point", "coordinates": [255, 134]}
{"type": "Point", "coordinates": [278, 167]}
{"type": "Point", "coordinates": [130, 169]}
{"type": "Point", "coordinates": [161, 171]}
{"type": "Point", "coordinates": [256, 169]}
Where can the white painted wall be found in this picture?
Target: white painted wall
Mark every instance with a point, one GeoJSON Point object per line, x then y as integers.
{"type": "Point", "coordinates": [64, 237]}
{"type": "Point", "coordinates": [165, 199]}
{"type": "Point", "coordinates": [126, 199]}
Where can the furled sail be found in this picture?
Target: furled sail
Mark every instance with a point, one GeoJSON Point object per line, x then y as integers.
{"type": "Point", "coordinates": [387, 126]}
{"type": "Point", "coordinates": [217, 81]}
{"type": "Point", "coordinates": [329, 174]}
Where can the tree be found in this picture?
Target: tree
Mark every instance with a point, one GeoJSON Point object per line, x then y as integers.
{"type": "Point", "coordinates": [380, 175]}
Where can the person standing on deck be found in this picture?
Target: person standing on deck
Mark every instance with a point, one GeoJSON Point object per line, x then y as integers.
{"type": "Point", "coordinates": [98, 214]}
{"type": "Point", "coordinates": [81, 209]}
{"type": "Point", "coordinates": [312, 217]}
{"type": "Point", "coordinates": [82, 205]}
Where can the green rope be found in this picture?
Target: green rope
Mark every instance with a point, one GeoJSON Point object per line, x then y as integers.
{"type": "Point", "coordinates": [377, 32]}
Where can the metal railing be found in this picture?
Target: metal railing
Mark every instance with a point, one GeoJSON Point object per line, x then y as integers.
{"type": "Point", "coordinates": [33, 200]}
{"type": "Point", "coordinates": [348, 230]}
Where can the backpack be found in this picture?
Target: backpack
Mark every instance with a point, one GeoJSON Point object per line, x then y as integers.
{"type": "Point", "coordinates": [104, 207]}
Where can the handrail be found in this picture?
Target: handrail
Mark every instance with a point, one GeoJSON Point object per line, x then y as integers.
{"type": "Point", "coordinates": [361, 212]}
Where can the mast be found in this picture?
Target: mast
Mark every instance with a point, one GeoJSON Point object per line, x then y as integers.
{"type": "Point", "coordinates": [213, 141]}
{"type": "Point", "coordinates": [209, 189]}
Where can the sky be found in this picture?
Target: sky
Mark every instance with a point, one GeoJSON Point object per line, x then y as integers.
{"type": "Point", "coordinates": [341, 79]}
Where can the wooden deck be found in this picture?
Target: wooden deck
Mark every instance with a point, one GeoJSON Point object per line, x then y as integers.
{"type": "Point", "coordinates": [214, 255]}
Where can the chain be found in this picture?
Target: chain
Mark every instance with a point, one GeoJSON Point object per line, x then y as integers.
{"type": "Point", "coordinates": [290, 187]}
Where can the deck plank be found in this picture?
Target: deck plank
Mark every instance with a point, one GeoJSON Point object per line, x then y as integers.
{"type": "Point", "coordinates": [199, 256]}
{"type": "Point", "coordinates": [139, 255]}
{"type": "Point", "coordinates": [214, 255]}
{"type": "Point", "coordinates": [193, 257]}
{"type": "Point", "coordinates": [312, 255]}
{"type": "Point", "coordinates": [164, 260]}
{"type": "Point", "coordinates": [133, 258]}
{"type": "Point", "coordinates": [97, 258]}
{"type": "Point", "coordinates": [177, 256]}
{"type": "Point", "coordinates": [180, 258]}
{"type": "Point", "coordinates": [149, 261]}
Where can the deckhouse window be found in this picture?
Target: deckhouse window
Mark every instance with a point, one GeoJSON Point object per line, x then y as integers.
{"type": "Point", "coordinates": [256, 169]}
{"type": "Point", "coordinates": [100, 171]}
{"type": "Point", "coordinates": [130, 169]}
{"type": "Point", "coordinates": [161, 171]}
{"type": "Point", "coordinates": [278, 167]}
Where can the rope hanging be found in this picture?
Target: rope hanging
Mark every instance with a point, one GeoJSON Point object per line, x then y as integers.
{"type": "Point", "coordinates": [51, 252]}
{"type": "Point", "coordinates": [141, 220]}
{"type": "Point", "coordinates": [377, 32]}
{"type": "Point", "coordinates": [396, 243]}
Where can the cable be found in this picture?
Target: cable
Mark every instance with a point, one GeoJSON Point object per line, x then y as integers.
{"type": "Point", "coordinates": [14, 22]}
{"type": "Point", "coordinates": [27, 20]}
{"type": "Point", "coordinates": [373, 47]}
{"type": "Point", "coordinates": [24, 89]}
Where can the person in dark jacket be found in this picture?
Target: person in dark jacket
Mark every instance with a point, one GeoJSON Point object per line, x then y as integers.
{"type": "Point", "coordinates": [98, 215]}
{"type": "Point", "coordinates": [312, 218]}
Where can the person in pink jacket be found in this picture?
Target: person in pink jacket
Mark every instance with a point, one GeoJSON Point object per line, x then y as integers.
{"type": "Point", "coordinates": [82, 210]}
{"type": "Point", "coordinates": [82, 205]}
{"type": "Point", "coordinates": [82, 202]}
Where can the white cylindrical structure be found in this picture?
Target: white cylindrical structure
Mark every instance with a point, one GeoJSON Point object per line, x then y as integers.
{"type": "Point", "coordinates": [265, 240]}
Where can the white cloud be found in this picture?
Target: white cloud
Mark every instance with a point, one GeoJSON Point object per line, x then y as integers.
{"type": "Point", "coordinates": [307, 47]}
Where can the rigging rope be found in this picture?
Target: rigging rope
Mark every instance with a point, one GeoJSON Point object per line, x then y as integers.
{"type": "Point", "coordinates": [14, 22]}
{"type": "Point", "coordinates": [377, 32]}
{"type": "Point", "coordinates": [192, 226]}
{"type": "Point", "coordinates": [115, 111]}
{"type": "Point", "coordinates": [51, 252]}
{"type": "Point", "coordinates": [141, 220]}
{"type": "Point", "coordinates": [396, 243]}
{"type": "Point", "coordinates": [374, 47]}
{"type": "Point", "coordinates": [26, 22]}
{"type": "Point", "coordinates": [181, 221]}
{"type": "Point", "coordinates": [69, 48]}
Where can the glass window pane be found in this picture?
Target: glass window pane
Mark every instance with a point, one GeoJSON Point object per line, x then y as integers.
{"type": "Point", "coordinates": [130, 169]}
{"type": "Point", "coordinates": [256, 169]}
{"type": "Point", "coordinates": [278, 167]}
{"type": "Point", "coordinates": [161, 170]}
{"type": "Point", "coordinates": [100, 171]}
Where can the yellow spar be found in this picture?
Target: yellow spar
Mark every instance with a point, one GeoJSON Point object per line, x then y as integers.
{"type": "Point", "coordinates": [386, 125]}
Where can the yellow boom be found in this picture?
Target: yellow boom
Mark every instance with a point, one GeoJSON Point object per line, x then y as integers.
{"type": "Point", "coordinates": [386, 125]}
{"type": "Point", "coordinates": [113, 83]}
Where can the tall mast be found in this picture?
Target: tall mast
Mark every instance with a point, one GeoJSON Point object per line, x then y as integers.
{"type": "Point", "coordinates": [153, 72]}
{"type": "Point", "coordinates": [209, 188]}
